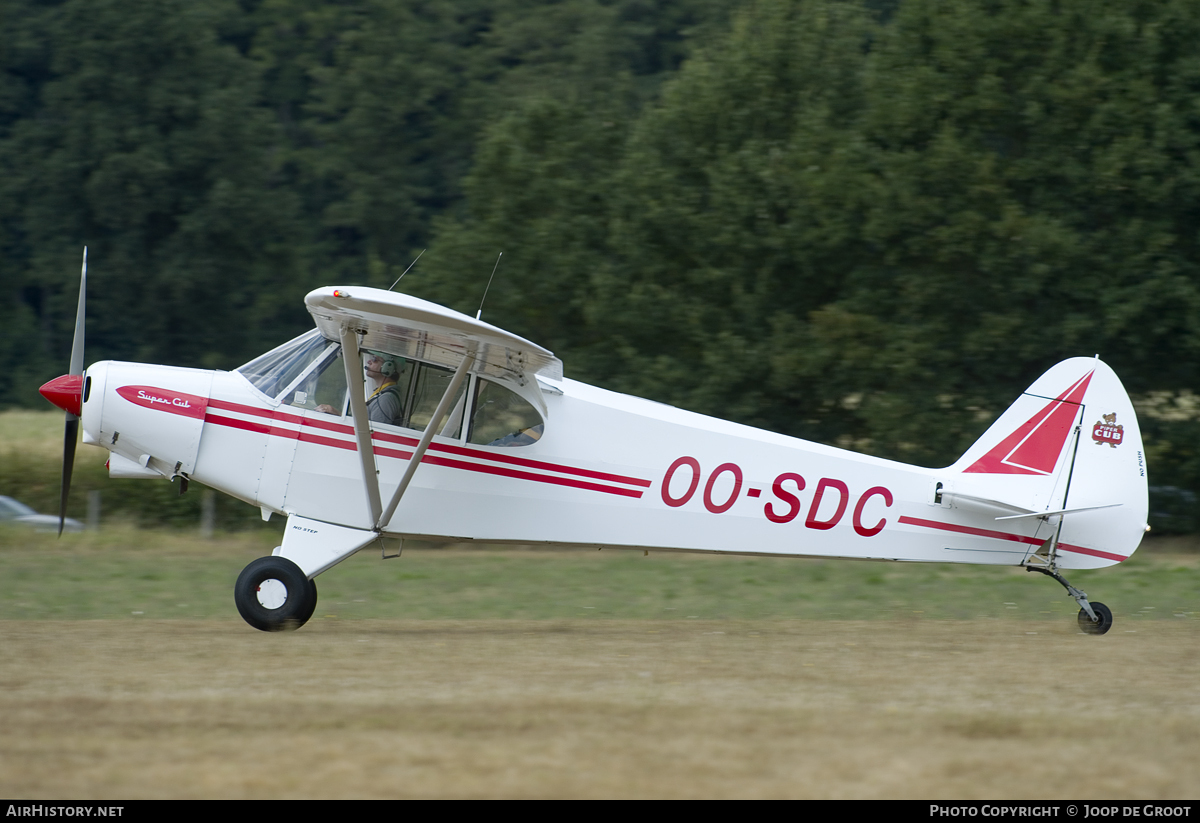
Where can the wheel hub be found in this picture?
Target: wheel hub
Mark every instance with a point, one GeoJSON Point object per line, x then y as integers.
{"type": "Point", "coordinates": [272, 594]}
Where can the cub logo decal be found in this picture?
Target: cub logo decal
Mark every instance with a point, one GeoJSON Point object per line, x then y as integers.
{"type": "Point", "coordinates": [1107, 431]}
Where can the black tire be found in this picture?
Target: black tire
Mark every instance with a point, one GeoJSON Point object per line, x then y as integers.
{"type": "Point", "coordinates": [1100, 627]}
{"type": "Point", "coordinates": [312, 601]}
{"type": "Point", "coordinates": [285, 581]}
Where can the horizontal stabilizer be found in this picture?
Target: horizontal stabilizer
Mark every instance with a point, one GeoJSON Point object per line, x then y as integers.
{"type": "Point", "coordinates": [1060, 511]}
{"type": "Point", "coordinates": [971, 501]}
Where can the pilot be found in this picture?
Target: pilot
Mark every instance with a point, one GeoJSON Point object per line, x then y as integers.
{"type": "Point", "coordinates": [385, 405]}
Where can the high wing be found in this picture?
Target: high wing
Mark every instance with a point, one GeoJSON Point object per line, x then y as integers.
{"type": "Point", "coordinates": [411, 327]}
{"type": "Point", "coordinates": [373, 319]}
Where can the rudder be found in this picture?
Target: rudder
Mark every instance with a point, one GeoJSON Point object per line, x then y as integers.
{"type": "Point", "coordinates": [1070, 441]}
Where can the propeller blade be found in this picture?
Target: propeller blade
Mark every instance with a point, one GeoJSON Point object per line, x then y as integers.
{"type": "Point", "coordinates": [77, 342]}
{"type": "Point", "coordinates": [69, 437]}
{"type": "Point", "coordinates": [71, 433]}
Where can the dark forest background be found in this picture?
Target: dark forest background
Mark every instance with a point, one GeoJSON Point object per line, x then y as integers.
{"type": "Point", "coordinates": [870, 224]}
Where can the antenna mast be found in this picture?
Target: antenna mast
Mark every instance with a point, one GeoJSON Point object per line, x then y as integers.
{"type": "Point", "coordinates": [489, 285]}
{"type": "Point", "coordinates": [410, 265]}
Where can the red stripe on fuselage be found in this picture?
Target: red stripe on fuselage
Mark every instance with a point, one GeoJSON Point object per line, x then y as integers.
{"type": "Point", "coordinates": [996, 535]}
{"type": "Point", "coordinates": [245, 425]}
{"type": "Point", "coordinates": [953, 527]}
{"type": "Point", "coordinates": [326, 441]}
{"type": "Point", "coordinates": [440, 447]}
{"type": "Point", "coordinates": [537, 464]}
{"type": "Point", "coordinates": [385, 437]}
{"type": "Point", "coordinates": [541, 478]}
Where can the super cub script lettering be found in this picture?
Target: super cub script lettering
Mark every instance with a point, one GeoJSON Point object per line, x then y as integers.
{"type": "Point", "coordinates": [178, 402]}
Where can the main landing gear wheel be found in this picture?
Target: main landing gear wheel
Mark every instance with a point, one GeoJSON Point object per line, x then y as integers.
{"type": "Point", "coordinates": [272, 594]}
{"type": "Point", "coordinates": [1099, 626]}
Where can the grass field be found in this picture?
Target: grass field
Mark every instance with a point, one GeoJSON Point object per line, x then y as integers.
{"type": "Point", "coordinates": [606, 708]}
{"type": "Point", "coordinates": [125, 573]}
{"type": "Point", "coordinates": [34, 432]}
{"type": "Point", "coordinates": [125, 672]}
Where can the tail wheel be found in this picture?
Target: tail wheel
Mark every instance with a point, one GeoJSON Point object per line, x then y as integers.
{"type": "Point", "coordinates": [1100, 626]}
{"type": "Point", "coordinates": [272, 594]}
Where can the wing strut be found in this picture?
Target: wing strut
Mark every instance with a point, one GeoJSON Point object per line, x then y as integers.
{"type": "Point", "coordinates": [362, 425]}
{"type": "Point", "coordinates": [434, 424]}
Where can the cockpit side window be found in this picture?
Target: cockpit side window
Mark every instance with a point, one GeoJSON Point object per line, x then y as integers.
{"type": "Point", "coordinates": [322, 388]}
{"type": "Point", "coordinates": [500, 417]}
{"type": "Point", "coordinates": [278, 369]}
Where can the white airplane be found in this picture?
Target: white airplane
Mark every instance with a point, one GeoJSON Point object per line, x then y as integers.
{"type": "Point", "coordinates": [396, 417]}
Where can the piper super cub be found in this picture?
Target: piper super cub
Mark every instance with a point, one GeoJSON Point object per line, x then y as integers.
{"type": "Point", "coordinates": [396, 417]}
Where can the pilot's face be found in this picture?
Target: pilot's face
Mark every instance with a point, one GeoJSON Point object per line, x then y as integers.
{"type": "Point", "coordinates": [374, 366]}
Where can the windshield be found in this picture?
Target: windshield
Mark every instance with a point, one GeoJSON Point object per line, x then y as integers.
{"type": "Point", "coordinates": [277, 369]}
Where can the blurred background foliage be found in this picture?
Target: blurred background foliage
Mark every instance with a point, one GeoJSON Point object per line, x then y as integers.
{"type": "Point", "coordinates": [870, 224]}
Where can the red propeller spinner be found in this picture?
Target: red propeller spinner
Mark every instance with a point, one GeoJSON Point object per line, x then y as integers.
{"type": "Point", "coordinates": [66, 392]}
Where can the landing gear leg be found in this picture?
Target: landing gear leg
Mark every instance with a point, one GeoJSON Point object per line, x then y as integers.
{"type": "Point", "coordinates": [1094, 618]}
{"type": "Point", "coordinates": [272, 594]}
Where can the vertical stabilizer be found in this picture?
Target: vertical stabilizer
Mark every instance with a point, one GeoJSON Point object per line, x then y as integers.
{"type": "Point", "coordinates": [1070, 442]}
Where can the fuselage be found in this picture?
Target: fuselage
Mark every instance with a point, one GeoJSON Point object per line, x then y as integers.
{"type": "Point", "coordinates": [609, 470]}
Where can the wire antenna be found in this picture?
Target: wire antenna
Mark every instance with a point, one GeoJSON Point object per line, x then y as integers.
{"type": "Point", "coordinates": [406, 271]}
{"type": "Point", "coordinates": [489, 285]}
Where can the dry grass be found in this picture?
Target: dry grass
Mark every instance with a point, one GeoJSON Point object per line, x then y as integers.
{"type": "Point", "coordinates": [882, 709]}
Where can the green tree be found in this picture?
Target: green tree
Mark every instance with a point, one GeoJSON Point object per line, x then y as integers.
{"type": "Point", "coordinates": [147, 145]}
{"type": "Point", "coordinates": [1033, 185]}
{"type": "Point", "coordinates": [541, 188]}
{"type": "Point", "coordinates": [373, 96]}
{"type": "Point", "coordinates": [739, 199]}
{"type": "Point", "coordinates": [872, 231]}
{"type": "Point", "coordinates": [220, 160]}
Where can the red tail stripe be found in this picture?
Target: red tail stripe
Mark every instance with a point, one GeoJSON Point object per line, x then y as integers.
{"type": "Point", "coordinates": [953, 527]}
{"type": "Point", "coordinates": [1017, 538]}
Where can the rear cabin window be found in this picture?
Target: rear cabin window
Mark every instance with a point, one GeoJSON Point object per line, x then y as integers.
{"type": "Point", "coordinates": [429, 383]}
{"type": "Point", "coordinates": [501, 417]}
{"type": "Point", "coordinates": [408, 393]}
